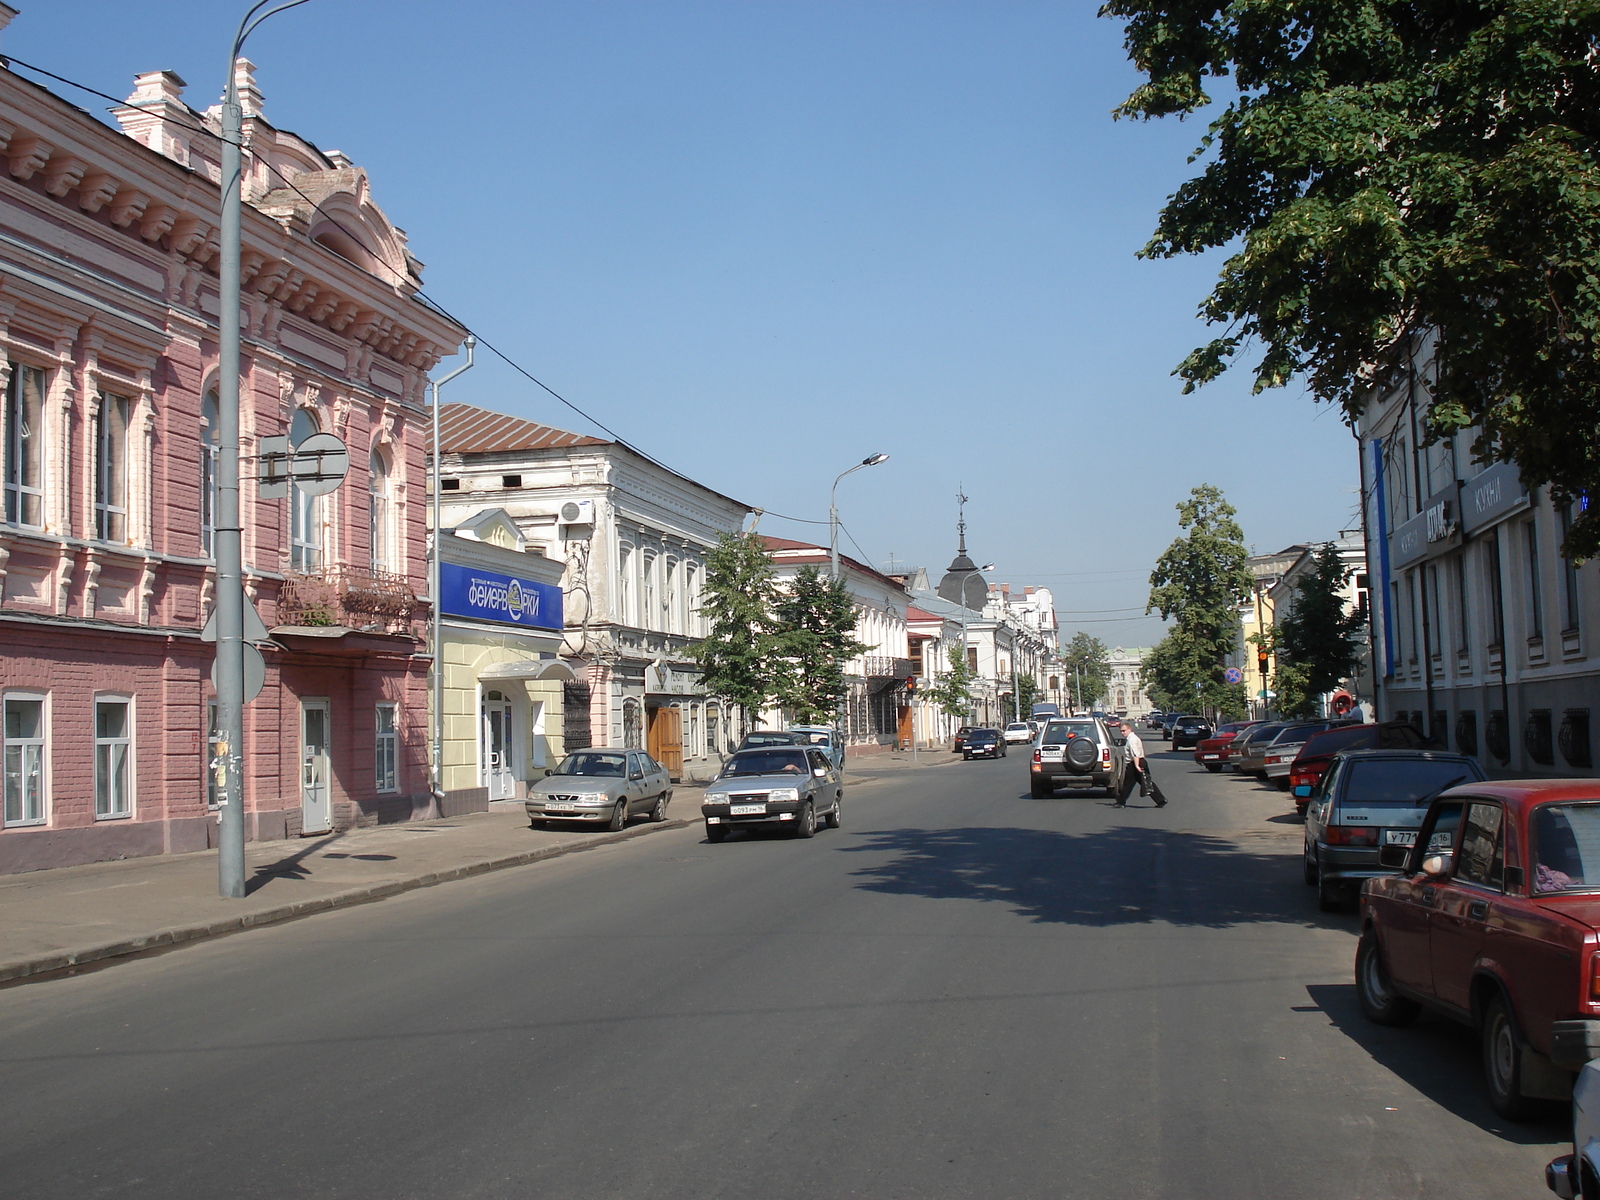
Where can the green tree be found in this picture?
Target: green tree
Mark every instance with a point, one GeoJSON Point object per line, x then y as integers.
{"type": "Point", "coordinates": [1317, 640]}
{"type": "Point", "coordinates": [737, 600]}
{"type": "Point", "coordinates": [952, 690]}
{"type": "Point", "coordinates": [1198, 583]}
{"type": "Point", "coordinates": [813, 637]}
{"type": "Point", "coordinates": [1385, 168]}
{"type": "Point", "coordinates": [1088, 669]}
{"type": "Point", "coordinates": [1027, 693]}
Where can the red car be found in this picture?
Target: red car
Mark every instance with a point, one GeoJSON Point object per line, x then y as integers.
{"type": "Point", "coordinates": [1494, 921]}
{"type": "Point", "coordinates": [1313, 759]}
{"type": "Point", "coordinates": [1212, 753]}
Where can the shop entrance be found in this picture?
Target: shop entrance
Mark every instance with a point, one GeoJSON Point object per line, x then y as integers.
{"type": "Point", "coordinates": [495, 755]}
{"type": "Point", "coordinates": [316, 806]}
{"type": "Point", "coordinates": [665, 738]}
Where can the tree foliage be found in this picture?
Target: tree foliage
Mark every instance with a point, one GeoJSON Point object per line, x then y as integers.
{"type": "Point", "coordinates": [1023, 701]}
{"type": "Point", "coordinates": [1198, 583]}
{"type": "Point", "coordinates": [952, 690]}
{"type": "Point", "coordinates": [1317, 640]}
{"type": "Point", "coordinates": [1389, 167]}
{"type": "Point", "coordinates": [813, 637]}
{"type": "Point", "coordinates": [1088, 664]}
{"type": "Point", "coordinates": [737, 599]}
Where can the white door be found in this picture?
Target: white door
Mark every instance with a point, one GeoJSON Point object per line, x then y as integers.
{"type": "Point", "coordinates": [496, 754]}
{"type": "Point", "coordinates": [316, 806]}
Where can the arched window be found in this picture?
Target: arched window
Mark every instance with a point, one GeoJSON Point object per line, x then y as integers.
{"type": "Point", "coordinates": [210, 447]}
{"type": "Point", "coordinates": [305, 511]}
{"type": "Point", "coordinates": [379, 537]}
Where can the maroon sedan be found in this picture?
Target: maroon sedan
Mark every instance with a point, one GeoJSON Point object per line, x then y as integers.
{"type": "Point", "coordinates": [1494, 921]}
{"type": "Point", "coordinates": [1212, 752]}
{"type": "Point", "coordinates": [1313, 759]}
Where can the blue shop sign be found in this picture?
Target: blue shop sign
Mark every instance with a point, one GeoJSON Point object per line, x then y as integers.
{"type": "Point", "coordinates": [490, 596]}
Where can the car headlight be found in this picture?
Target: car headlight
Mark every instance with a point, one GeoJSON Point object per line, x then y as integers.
{"type": "Point", "coordinates": [590, 798]}
{"type": "Point", "coordinates": [784, 794]}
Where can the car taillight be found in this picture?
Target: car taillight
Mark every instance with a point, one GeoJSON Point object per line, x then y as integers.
{"type": "Point", "coordinates": [1345, 835]}
{"type": "Point", "coordinates": [1105, 757]}
{"type": "Point", "coordinates": [1038, 756]}
{"type": "Point", "coordinates": [1594, 978]}
{"type": "Point", "coordinates": [1302, 779]}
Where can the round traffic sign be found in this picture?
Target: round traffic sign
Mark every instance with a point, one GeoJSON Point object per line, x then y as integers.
{"type": "Point", "coordinates": [1233, 675]}
{"type": "Point", "coordinates": [319, 464]}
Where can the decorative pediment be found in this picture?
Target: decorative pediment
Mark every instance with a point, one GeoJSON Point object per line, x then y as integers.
{"type": "Point", "coordinates": [335, 209]}
{"type": "Point", "coordinates": [493, 526]}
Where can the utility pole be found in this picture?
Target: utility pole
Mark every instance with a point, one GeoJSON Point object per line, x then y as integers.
{"type": "Point", "coordinates": [229, 765]}
{"type": "Point", "coordinates": [434, 585]}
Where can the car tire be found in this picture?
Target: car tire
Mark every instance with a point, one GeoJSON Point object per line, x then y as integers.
{"type": "Point", "coordinates": [619, 818]}
{"type": "Point", "coordinates": [1213, 767]}
{"type": "Point", "coordinates": [836, 817]}
{"type": "Point", "coordinates": [1502, 1063]}
{"type": "Point", "coordinates": [1042, 791]}
{"type": "Point", "coordinates": [658, 813]}
{"type": "Point", "coordinates": [805, 821]}
{"type": "Point", "coordinates": [716, 833]}
{"type": "Point", "coordinates": [536, 823]}
{"type": "Point", "coordinates": [1308, 867]}
{"type": "Point", "coordinates": [1282, 782]}
{"type": "Point", "coordinates": [1379, 1001]}
{"type": "Point", "coordinates": [1330, 895]}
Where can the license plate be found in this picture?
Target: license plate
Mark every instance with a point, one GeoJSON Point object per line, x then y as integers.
{"type": "Point", "coordinates": [747, 810]}
{"type": "Point", "coordinates": [1206, 756]}
{"type": "Point", "coordinates": [559, 807]}
{"type": "Point", "coordinates": [1399, 837]}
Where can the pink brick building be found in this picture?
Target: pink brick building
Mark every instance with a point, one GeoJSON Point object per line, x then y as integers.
{"type": "Point", "coordinates": [108, 304]}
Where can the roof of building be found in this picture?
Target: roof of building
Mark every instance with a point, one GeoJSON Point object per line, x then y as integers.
{"type": "Point", "coordinates": [807, 554]}
{"type": "Point", "coordinates": [467, 429]}
{"type": "Point", "coordinates": [913, 613]}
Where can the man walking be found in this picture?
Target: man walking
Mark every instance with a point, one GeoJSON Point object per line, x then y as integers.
{"type": "Point", "coordinates": [1137, 768]}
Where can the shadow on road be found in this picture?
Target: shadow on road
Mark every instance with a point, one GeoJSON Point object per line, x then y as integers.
{"type": "Point", "coordinates": [1442, 1060]}
{"type": "Point", "coordinates": [1111, 877]}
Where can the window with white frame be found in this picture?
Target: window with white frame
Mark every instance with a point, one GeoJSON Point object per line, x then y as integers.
{"type": "Point", "coordinates": [24, 760]}
{"type": "Point", "coordinates": [379, 538]}
{"type": "Point", "coordinates": [113, 746]}
{"type": "Point", "coordinates": [24, 448]}
{"type": "Point", "coordinates": [674, 620]}
{"type": "Point", "coordinates": [1571, 610]}
{"type": "Point", "coordinates": [1530, 533]}
{"type": "Point", "coordinates": [210, 449]}
{"type": "Point", "coordinates": [386, 750]}
{"type": "Point", "coordinates": [713, 728]}
{"type": "Point", "coordinates": [111, 468]}
{"type": "Point", "coordinates": [625, 584]}
{"type": "Point", "coordinates": [305, 510]}
{"type": "Point", "coordinates": [650, 617]}
{"type": "Point", "coordinates": [692, 623]}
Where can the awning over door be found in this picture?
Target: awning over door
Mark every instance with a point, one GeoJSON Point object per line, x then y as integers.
{"type": "Point", "coordinates": [531, 669]}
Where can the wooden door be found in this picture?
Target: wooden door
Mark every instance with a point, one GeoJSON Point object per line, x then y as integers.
{"type": "Point", "coordinates": [905, 732]}
{"type": "Point", "coordinates": [665, 739]}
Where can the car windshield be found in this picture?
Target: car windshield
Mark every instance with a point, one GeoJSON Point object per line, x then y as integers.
{"type": "Point", "coordinates": [1566, 843]}
{"type": "Point", "coordinates": [982, 735]}
{"type": "Point", "coordinates": [1405, 780]}
{"type": "Point", "coordinates": [765, 762]}
{"type": "Point", "coordinates": [609, 766]}
{"type": "Point", "coordinates": [1060, 731]}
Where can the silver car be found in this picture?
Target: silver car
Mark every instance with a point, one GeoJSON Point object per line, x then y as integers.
{"type": "Point", "coordinates": [601, 786]}
{"type": "Point", "coordinates": [793, 787]}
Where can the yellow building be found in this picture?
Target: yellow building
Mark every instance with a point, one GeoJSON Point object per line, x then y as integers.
{"type": "Point", "coordinates": [502, 614]}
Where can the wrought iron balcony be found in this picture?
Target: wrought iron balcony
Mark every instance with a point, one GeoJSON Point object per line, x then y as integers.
{"type": "Point", "coordinates": [344, 596]}
{"type": "Point", "coordinates": [880, 666]}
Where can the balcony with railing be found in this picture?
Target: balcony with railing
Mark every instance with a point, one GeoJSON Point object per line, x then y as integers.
{"type": "Point", "coordinates": [881, 666]}
{"type": "Point", "coordinates": [340, 596]}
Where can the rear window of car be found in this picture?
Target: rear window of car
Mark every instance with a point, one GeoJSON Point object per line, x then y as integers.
{"type": "Point", "coordinates": [1060, 731]}
{"type": "Point", "coordinates": [1405, 780]}
{"type": "Point", "coordinates": [769, 739]}
{"type": "Point", "coordinates": [1566, 847]}
{"type": "Point", "coordinates": [1297, 733]}
{"type": "Point", "coordinates": [1355, 737]}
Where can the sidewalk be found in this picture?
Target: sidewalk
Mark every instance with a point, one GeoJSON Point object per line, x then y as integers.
{"type": "Point", "coordinates": [59, 920]}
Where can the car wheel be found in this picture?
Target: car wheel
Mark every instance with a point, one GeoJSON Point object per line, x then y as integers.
{"type": "Point", "coordinates": [1330, 896]}
{"type": "Point", "coordinates": [1213, 767]}
{"type": "Point", "coordinates": [1283, 783]}
{"type": "Point", "coordinates": [535, 823]}
{"type": "Point", "coordinates": [619, 817]}
{"type": "Point", "coordinates": [1040, 791]}
{"type": "Point", "coordinates": [1502, 1062]}
{"type": "Point", "coordinates": [836, 817]}
{"type": "Point", "coordinates": [805, 822]}
{"type": "Point", "coordinates": [1379, 1001]}
{"type": "Point", "coordinates": [715, 833]}
{"type": "Point", "coordinates": [659, 812]}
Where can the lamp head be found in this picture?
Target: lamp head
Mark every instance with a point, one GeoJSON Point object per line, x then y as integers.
{"type": "Point", "coordinates": [874, 460]}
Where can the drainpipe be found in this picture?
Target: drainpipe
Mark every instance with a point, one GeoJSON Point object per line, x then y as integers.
{"type": "Point", "coordinates": [437, 775]}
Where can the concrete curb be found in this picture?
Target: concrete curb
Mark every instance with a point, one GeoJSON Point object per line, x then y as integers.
{"type": "Point", "coordinates": [64, 960]}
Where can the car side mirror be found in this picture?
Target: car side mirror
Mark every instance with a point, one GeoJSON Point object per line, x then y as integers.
{"type": "Point", "coordinates": [637, 775]}
{"type": "Point", "coordinates": [1437, 866]}
{"type": "Point", "coordinates": [1302, 790]}
{"type": "Point", "coordinates": [820, 773]}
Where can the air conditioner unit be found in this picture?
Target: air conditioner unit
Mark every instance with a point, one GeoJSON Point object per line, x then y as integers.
{"type": "Point", "coordinates": [577, 512]}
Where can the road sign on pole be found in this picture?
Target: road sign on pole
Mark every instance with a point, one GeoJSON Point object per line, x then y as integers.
{"type": "Point", "coordinates": [1233, 675]}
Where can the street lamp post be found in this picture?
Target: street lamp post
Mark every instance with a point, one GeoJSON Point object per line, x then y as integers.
{"type": "Point", "coordinates": [228, 545]}
{"type": "Point", "coordinates": [833, 511]}
{"type": "Point", "coordinates": [434, 585]}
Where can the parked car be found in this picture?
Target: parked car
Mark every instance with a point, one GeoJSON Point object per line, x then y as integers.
{"type": "Point", "coordinates": [1577, 1175]}
{"type": "Point", "coordinates": [757, 738]}
{"type": "Point", "coordinates": [1305, 772]}
{"type": "Point", "coordinates": [1250, 749]}
{"type": "Point", "coordinates": [1189, 730]}
{"type": "Point", "coordinates": [1167, 722]}
{"type": "Point", "coordinates": [1370, 799]}
{"type": "Point", "coordinates": [1283, 748]}
{"type": "Point", "coordinates": [789, 786]}
{"type": "Point", "coordinates": [1077, 753]}
{"type": "Point", "coordinates": [960, 739]}
{"type": "Point", "coordinates": [601, 786]}
{"type": "Point", "coordinates": [830, 741]}
{"type": "Point", "coordinates": [984, 743]}
{"type": "Point", "coordinates": [1019, 731]}
{"type": "Point", "coordinates": [1212, 752]}
{"type": "Point", "coordinates": [1494, 920]}
{"type": "Point", "coordinates": [1153, 720]}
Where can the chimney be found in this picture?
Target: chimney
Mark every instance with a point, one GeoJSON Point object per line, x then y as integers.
{"type": "Point", "coordinates": [244, 80]}
{"type": "Point", "coordinates": [1027, 591]}
{"type": "Point", "coordinates": [156, 116]}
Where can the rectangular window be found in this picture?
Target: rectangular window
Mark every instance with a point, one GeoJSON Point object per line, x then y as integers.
{"type": "Point", "coordinates": [24, 760]}
{"type": "Point", "coordinates": [1397, 482]}
{"type": "Point", "coordinates": [1463, 628]}
{"type": "Point", "coordinates": [649, 617]}
{"type": "Point", "coordinates": [24, 448]}
{"type": "Point", "coordinates": [691, 600]}
{"type": "Point", "coordinates": [1571, 614]}
{"type": "Point", "coordinates": [1535, 594]}
{"type": "Point", "coordinates": [625, 585]}
{"type": "Point", "coordinates": [713, 716]}
{"type": "Point", "coordinates": [111, 469]}
{"type": "Point", "coordinates": [1497, 595]}
{"type": "Point", "coordinates": [1434, 614]}
{"type": "Point", "coordinates": [386, 751]}
{"type": "Point", "coordinates": [112, 744]}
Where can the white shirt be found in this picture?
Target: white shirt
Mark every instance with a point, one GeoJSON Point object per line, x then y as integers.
{"type": "Point", "coordinates": [1133, 745]}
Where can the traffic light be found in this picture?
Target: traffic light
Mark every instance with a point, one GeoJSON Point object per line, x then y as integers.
{"type": "Point", "coordinates": [1261, 658]}
{"type": "Point", "coordinates": [911, 683]}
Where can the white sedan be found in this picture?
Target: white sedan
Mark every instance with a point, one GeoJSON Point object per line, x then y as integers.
{"type": "Point", "coordinates": [1019, 731]}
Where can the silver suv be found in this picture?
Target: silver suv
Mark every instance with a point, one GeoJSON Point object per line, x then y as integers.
{"type": "Point", "coordinates": [1077, 753]}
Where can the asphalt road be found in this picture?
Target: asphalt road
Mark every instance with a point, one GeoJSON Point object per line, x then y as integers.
{"type": "Point", "coordinates": [964, 992]}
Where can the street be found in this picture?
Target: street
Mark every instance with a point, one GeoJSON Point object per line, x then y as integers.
{"type": "Point", "coordinates": [964, 992]}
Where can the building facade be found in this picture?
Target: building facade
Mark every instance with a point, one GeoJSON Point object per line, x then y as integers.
{"type": "Point", "coordinates": [1482, 632]}
{"type": "Point", "coordinates": [631, 537]}
{"type": "Point", "coordinates": [108, 303]}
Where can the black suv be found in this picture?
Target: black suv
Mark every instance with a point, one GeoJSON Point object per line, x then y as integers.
{"type": "Point", "coordinates": [1189, 730]}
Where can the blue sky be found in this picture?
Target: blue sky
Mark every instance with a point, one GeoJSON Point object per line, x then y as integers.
{"type": "Point", "coordinates": [764, 240]}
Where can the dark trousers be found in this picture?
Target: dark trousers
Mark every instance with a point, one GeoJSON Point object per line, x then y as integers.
{"type": "Point", "coordinates": [1146, 782]}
